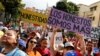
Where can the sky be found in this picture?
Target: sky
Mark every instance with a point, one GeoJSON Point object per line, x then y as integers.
{"type": "Point", "coordinates": [42, 4]}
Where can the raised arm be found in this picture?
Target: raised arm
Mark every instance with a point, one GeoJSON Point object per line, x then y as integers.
{"type": "Point", "coordinates": [82, 43]}
{"type": "Point", "coordinates": [52, 43]}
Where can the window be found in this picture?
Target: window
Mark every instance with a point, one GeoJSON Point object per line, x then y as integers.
{"type": "Point", "coordinates": [93, 8]}
{"type": "Point", "coordinates": [93, 18]}
{"type": "Point", "coordinates": [90, 17]}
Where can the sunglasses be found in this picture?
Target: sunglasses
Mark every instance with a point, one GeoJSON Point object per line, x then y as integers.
{"type": "Point", "coordinates": [32, 42]}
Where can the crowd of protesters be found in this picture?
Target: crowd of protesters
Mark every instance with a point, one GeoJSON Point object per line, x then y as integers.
{"type": "Point", "coordinates": [35, 43]}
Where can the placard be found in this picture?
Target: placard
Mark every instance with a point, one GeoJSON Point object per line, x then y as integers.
{"type": "Point", "coordinates": [33, 17]}
{"type": "Point", "coordinates": [70, 22]}
{"type": "Point", "coordinates": [95, 32]}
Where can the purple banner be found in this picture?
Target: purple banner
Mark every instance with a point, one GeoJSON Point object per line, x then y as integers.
{"type": "Point", "coordinates": [70, 22]}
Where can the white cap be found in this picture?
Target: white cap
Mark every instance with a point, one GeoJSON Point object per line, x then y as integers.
{"type": "Point", "coordinates": [38, 35]}
{"type": "Point", "coordinates": [67, 44]}
{"type": "Point", "coordinates": [2, 27]}
{"type": "Point", "coordinates": [34, 40]}
{"type": "Point", "coordinates": [5, 28]}
{"type": "Point", "coordinates": [61, 45]}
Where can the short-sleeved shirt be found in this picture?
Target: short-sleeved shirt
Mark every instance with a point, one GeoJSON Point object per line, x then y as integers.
{"type": "Point", "coordinates": [78, 53]}
{"type": "Point", "coordinates": [31, 53]}
{"type": "Point", "coordinates": [98, 54]}
{"type": "Point", "coordinates": [71, 53]}
{"type": "Point", "coordinates": [96, 50]}
{"type": "Point", "coordinates": [16, 52]}
{"type": "Point", "coordinates": [44, 52]}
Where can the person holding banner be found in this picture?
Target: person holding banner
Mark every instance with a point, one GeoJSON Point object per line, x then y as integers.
{"type": "Point", "coordinates": [68, 46]}
{"type": "Point", "coordinates": [66, 49]}
{"type": "Point", "coordinates": [55, 51]}
{"type": "Point", "coordinates": [74, 47]}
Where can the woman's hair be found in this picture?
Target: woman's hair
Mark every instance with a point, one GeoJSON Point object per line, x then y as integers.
{"type": "Point", "coordinates": [34, 50]}
{"type": "Point", "coordinates": [42, 39]}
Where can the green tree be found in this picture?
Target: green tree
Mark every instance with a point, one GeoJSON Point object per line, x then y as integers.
{"type": "Point", "coordinates": [68, 7]}
{"type": "Point", "coordinates": [1, 11]}
{"type": "Point", "coordinates": [1, 7]}
{"type": "Point", "coordinates": [12, 8]}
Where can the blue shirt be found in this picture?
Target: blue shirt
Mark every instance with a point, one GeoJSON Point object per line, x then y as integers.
{"type": "Point", "coordinates": [71, 53]}
{"type": "Point", "coordinates": [16, 52]}
{"type": "Point", "coordinates": [96, 50]}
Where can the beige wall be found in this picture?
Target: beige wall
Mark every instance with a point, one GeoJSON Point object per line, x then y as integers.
{"type": "Point", "coordinates": [96, 13]}
{"type": "Point", "coordinates": [82, 10]}
{"type": "Point", "coordinates": [86, 9]}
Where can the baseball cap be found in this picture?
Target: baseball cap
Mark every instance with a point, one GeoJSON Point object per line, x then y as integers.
{"type": "Point", "coordinates": [22, 42]}
{"type": "Point", "coordinates": [71, 53]}
{"type": "Point", "coordinates": [34, 40]}
{"type": "Point", "coordinates": [67, 44]}
{"type": "Point", "coordinates": [38, 35]}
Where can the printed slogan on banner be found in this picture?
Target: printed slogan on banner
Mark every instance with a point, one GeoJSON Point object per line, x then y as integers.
{"type": "Point", "coordinates": [70, 22]}
{"type": "Point", "coordinates": [33, 17]}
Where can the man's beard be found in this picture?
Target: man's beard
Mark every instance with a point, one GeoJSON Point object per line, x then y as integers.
{"type": "Point", "coordinates": [3, 44]}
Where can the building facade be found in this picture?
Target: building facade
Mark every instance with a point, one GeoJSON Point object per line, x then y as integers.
{"type": "Point", "coordinates": [92, 12]}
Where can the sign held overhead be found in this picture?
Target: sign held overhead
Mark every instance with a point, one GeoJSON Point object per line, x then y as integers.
{"type": "Point", "coordinates": [70, 22]}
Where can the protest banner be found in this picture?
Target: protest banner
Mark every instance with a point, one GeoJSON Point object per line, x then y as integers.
{"type": "Point", "coordinates": [95, 32]}
{"type": "Point", "coordinates": [70, 22]}
{"type": "Point", "coordinates": [33, 17]}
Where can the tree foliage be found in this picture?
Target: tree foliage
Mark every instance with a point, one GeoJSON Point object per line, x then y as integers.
{"type": "Point", "coordinates": [1, 7]}
{"type": "Point", "coordinates": [12, 7]}
{"type": "Point", "coordinates": [70, 34]}
{"type": "Point", "coordinates": [68, 7]}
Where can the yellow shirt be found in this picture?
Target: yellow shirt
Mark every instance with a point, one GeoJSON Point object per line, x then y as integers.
{"type": "Point", "coordinates": [31, 53]}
